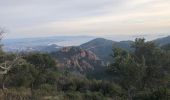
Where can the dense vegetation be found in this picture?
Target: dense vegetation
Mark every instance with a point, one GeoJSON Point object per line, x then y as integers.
{"type": "Point", "coordinates": [143, 74]}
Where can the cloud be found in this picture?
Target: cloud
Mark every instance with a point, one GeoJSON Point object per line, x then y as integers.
{"type": "Point", "coordinates": [75, 17]}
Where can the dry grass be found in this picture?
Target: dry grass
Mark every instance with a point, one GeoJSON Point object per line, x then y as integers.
{"type": "Point", "coordinates": [15, 94]}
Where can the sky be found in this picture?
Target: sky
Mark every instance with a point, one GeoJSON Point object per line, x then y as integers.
{"type": "Point", "coordinates": [122, 19]}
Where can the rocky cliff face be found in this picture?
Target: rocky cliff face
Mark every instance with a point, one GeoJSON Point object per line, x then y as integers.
{"type": "Point", "coordinates": [77, 59]}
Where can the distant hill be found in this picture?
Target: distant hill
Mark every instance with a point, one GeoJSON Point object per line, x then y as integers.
{"type": "Point", "coordinates": [166, 46]}
{"type": "Point", "coordinates": [77, 59]}
{"type": "Point", "coordinates": [43, 43]}
{"type": "Point", "coordinates": [162, 41]}
{"type": "Point", "coordinates": [47, 48]}
{"type": "Point", "coordinates": [103, 47]}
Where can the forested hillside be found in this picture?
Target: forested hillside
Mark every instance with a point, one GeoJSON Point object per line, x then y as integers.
{"type": "Point", "coordinates": [162, 41]}
{"type": "Point", "coordinates": [140, 74]}
{"type": "Point", "coordinates": [103, 47]}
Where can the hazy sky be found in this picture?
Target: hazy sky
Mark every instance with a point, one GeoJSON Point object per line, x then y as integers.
{"type": "Point", "coordinates": [120, 18]}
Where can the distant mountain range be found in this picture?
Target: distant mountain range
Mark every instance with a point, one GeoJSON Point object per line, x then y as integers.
{"type": "Point", "coordinates": [43, 43]}
{"type": "Point", "coordinates": [50, 44]}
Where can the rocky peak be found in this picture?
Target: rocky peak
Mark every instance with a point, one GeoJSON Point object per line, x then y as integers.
{"type": "Point", "coordinates": [76, 58]}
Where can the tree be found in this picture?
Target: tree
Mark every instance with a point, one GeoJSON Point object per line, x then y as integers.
{"type": "Point", "coordinates": [127, 71]}
{"type": "Point", "coordinates": [147, 50]}
{"type": "Point", "coordinates": [7, 61]}
{"type": "Point", "coordinates": [3, 68]}
{"type": "Point", "coordinates": [41, 61]}
{"type": "Point", "coordinates": [6, 67]}
{"type": "Point", "coordinates": [153, 55]}
{"type": "Point", "coordinates": [45, 65]}
{"type": "Point", "coordinates": [21, 75]}
{"type": "Point", "coordinates": [145, 69]}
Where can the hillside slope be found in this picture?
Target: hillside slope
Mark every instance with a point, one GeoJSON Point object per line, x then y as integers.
{"type": "Point", "coordinates": [162, 41]}
{"type": "Point", "coordinates": [103, 47]}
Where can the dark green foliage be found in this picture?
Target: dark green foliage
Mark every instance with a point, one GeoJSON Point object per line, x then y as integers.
{"type": "Point", "coordinates": [127, 71]}
{"type": "Point", "coordinates": [166, 47]}
{"type": "Point", "coordinates": [45, 66]}
{"type": "Point", "coordinates": [41, 61]}
{"type": "Point", "coordinates": [155, 94]}
{"type": "Point", "coordinates": [143, 72]}
{"type": "Point", "coordinates": [22, 75]}
{"type": "Point", "coordinates": [41, 80]}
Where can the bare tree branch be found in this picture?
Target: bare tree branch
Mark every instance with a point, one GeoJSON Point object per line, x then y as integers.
{"type": "Point", "coordinates": [3, 72]}
{"type": "Point", "coordinates": [6, 67]}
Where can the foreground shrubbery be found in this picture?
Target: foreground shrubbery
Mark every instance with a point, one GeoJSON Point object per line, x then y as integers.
{"type": "Point", "coordinates": [35, 79]}
{"type": "Point", "coordinates": [65, 88]}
